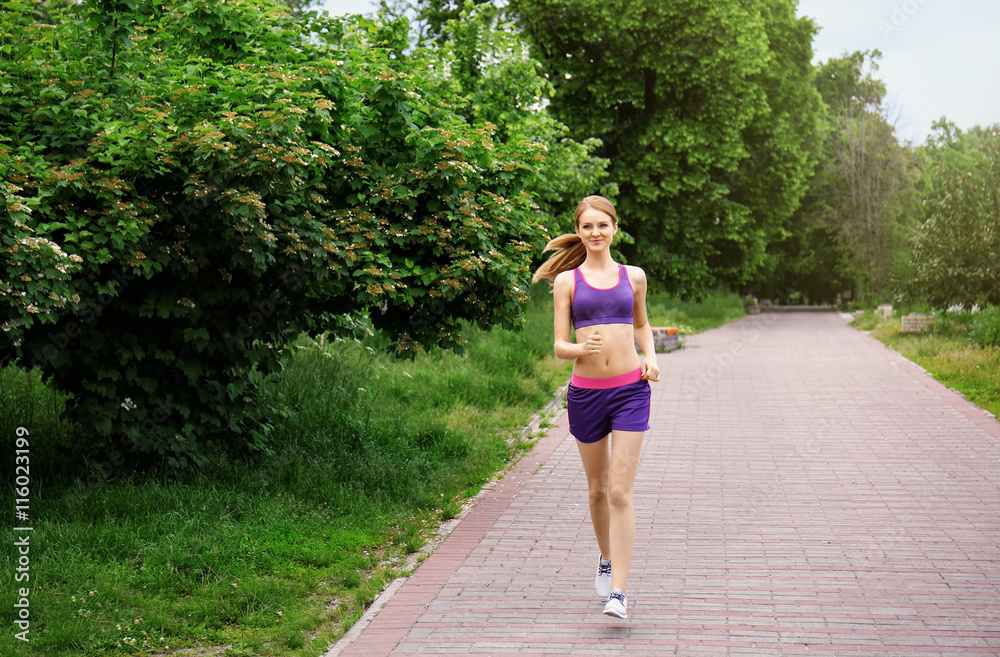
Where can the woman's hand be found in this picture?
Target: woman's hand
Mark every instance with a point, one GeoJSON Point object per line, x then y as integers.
{"type": "Point", "coordinates": [650, 370]}
{"type": "Point", "coordinates": [593, 345]}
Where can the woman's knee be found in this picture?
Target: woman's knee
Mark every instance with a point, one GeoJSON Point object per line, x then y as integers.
{"type": "Point", "coordinates": [598, 493]}
{"type": "Point", "coordinates": [620, 497]}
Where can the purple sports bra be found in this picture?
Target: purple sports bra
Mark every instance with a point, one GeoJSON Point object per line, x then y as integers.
{"type": "Point", "coordinates": [592, 305]}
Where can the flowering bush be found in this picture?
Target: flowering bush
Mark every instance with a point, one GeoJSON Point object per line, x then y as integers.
{"type": "Point", "coordinates": [188, 186]}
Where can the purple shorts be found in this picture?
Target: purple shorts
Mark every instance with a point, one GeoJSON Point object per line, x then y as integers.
{"type": "Point", "coordinates": [599, 406]}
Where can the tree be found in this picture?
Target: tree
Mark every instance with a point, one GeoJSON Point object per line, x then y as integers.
{"type": "Point", "coordinates": [490, 63]}
{"type": "Point", "coordinates": [429, 18]}
{"type": "Point", "coordinates": [951, 152]}
{"type": "Point", "coordinates": [234, 178]}
{"type": "Point", "coordinates": [784, 143]}
{"type": "Point", "coordinates": [866, 182]}
{"type": "Point", "coordinates": [678, 95]}
{"type": "Point", "coordinates": [808, 264]}
{"type": "Point", "coordinates": [483, 61]}
{"type": "Point", "coordinates": [956, 251]}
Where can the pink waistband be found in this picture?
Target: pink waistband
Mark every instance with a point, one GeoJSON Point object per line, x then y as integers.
{"type": "Point", "coordinates": [609, 382]}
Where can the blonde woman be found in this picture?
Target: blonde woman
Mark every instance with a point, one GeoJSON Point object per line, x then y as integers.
{"type": "Point", "coordinates": [602, 304]}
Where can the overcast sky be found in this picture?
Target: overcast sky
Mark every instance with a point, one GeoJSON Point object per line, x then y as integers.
{"type": "Point", "coordinates": [939, 57]}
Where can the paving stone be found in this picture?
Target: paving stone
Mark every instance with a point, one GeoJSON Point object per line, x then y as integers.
{"type": "Point", "coordinates": [803, 490]}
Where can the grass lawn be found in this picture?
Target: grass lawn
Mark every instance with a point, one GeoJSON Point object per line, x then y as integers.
{"type": "Point", "coordinates": [278, 554]}
{"type": "Point", "coordinates": [948, 352]}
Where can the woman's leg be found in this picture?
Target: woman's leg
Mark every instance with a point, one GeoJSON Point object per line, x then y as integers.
{"type": "Point", "coordinates": [624, 461]}
{"type": "Point", "coordinates": [596, 458]}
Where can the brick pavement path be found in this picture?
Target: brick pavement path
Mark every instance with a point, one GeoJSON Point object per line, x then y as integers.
{"type": "Point", "coordinates": [803, 491]}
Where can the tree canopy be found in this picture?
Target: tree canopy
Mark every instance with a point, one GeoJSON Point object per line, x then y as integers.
{"type": "Point", "coordinates": [849, 233]}
{"type": "Point", "coordinates": [866, 182]}
{"type": "Point", "coordinates": [956, 250]}
{"type": "Point", "coordinates": [707, 111]}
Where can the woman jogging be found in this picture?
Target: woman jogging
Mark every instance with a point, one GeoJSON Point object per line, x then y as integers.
{"type": "Point", "coordinates": [605, 304]}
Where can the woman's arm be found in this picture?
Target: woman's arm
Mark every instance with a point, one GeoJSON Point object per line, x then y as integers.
{"type": "Point", "coordinates": [562, 299]}
{"type": "Point", "coordinates": [640, 324]}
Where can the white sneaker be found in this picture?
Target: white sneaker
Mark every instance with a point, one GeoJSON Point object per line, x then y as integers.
{"type": "Point", "coordinates": [617, 604]}
{"type": "Point", "coordinates": [602, 583]}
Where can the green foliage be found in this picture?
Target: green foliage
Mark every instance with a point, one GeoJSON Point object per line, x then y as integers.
{"type": "Point", "coordinates": [439, 13]}
{"type": "Point", "coordinates": [957, 249]}
{"type": "Point", "coordinates": [784, 143]}
{"type": "Point", "coordinates": [678, 95]}
{"type": "Point", "coordinates": [481, 59]}
{"type": "Point", "coordinates": [491, 66]}
{"type": "Point", "coordinates": [850, 232]}
{"type": "Point", "coordinates": [951, 152]}
{"type": "Point", "coordinates": [848, 84]}
{"type": "Point", "coordinates": [862, 175]}
{"type": "Point", "coordinates": [112, 20]}
{"type": "Point", "coordinates": [300, 7]}
{"type": "Point", "coordinates": [429, 19]}
{"type": "Point", "coordinates": [985, 329]}
{"type": "Point", "coordinates": [808, 261]}
{"type": "Point", "coordinates": [240, 180]}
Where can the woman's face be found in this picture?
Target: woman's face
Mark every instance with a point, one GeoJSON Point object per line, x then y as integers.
{"type": "Point", "coordinates": [596, 229]}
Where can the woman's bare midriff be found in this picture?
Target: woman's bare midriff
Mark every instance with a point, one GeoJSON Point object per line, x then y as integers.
{"type": "Point", "coordinates": [617, 356]}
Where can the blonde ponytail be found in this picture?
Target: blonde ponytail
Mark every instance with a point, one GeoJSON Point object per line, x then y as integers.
{"type": "Point", "coordinates": [570, 254]}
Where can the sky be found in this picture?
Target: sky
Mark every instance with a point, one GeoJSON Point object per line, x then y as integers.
{"type": "Point", "coordinates": [939, 57]}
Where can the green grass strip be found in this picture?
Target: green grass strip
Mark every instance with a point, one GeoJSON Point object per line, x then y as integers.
{"type": "Point", "coordinates": [948, 352]}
